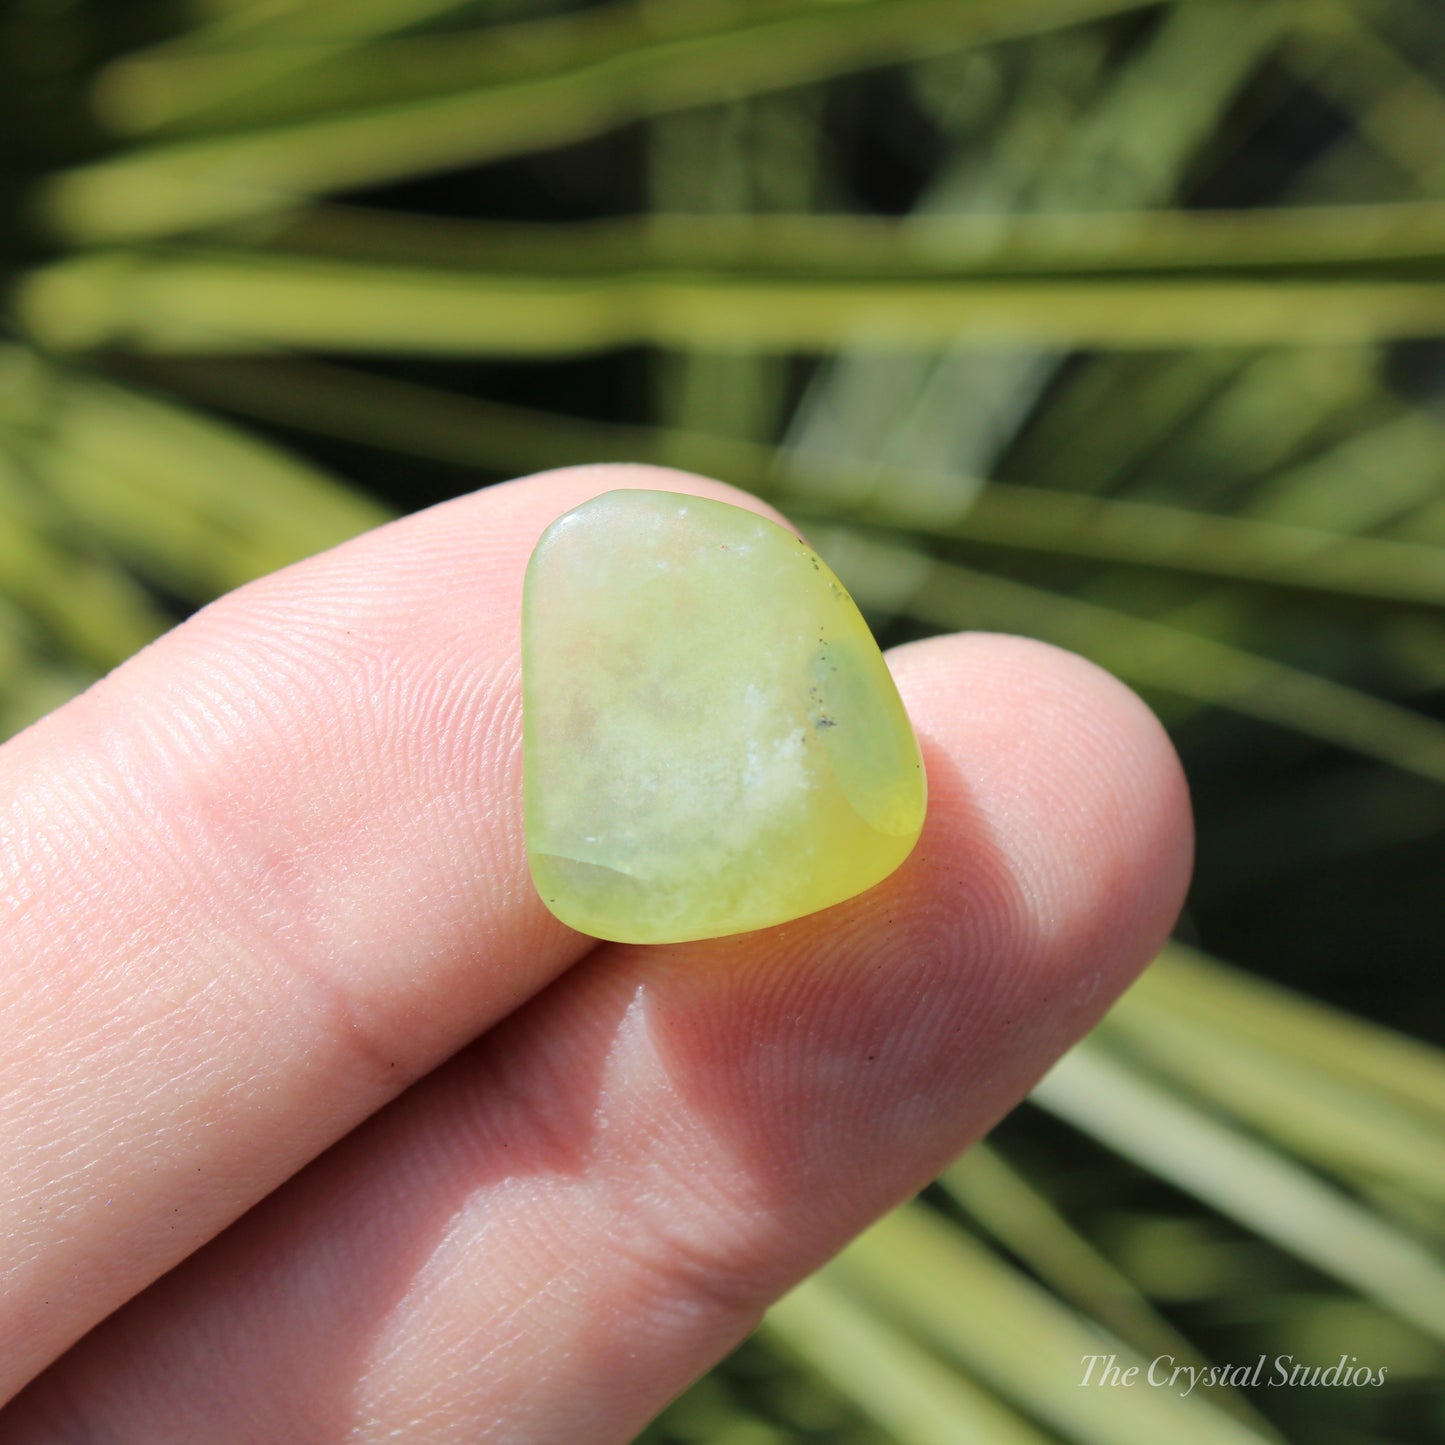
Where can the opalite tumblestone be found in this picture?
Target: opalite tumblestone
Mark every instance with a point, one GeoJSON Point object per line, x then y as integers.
{"type": "Point", "coordinates": [713, 742]}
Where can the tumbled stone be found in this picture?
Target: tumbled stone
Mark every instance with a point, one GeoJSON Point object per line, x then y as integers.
{"type": "Point", "coordinates": [713, 742]}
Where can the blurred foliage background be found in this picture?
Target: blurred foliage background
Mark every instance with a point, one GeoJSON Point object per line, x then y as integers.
{"type": "Point", "coordinates": [1112, 322]}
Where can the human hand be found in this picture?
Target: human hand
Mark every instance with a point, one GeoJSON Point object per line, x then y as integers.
{"type": "Point", "coordinates": [292, 1046]}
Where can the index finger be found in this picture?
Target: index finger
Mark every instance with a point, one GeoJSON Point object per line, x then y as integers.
{"type": "Point", "coordinates": [252, 885]}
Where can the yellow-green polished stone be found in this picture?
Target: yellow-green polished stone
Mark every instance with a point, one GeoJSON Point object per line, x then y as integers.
{"type": "Point", "coordinates": [713, 742]}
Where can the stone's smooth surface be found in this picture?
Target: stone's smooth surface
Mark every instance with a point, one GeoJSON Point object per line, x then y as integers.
{"type": "Point", "coordinates": [713, 742]}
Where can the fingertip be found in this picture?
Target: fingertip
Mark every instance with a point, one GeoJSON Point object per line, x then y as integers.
{"type": "Point", "coordinates": [1079, 774]}
{"type": "Point", "coordinates": [1076, 788]}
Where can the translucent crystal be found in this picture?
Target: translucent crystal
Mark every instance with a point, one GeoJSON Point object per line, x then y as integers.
{"type": "Point", "coordinates": [713, 742]}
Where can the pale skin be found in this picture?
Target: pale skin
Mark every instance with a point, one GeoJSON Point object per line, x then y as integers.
{"type": "Point", "coordinates": [314, 1123]}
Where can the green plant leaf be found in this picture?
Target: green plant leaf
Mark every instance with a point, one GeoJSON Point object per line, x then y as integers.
{"type": "Point", "coordinates": [202, 182]}
{"type": "Point", "coordinates": [1095, 1090]}
{"type": "Point", "coordinates": [1014, 1336]}
{"type": "Point", "coordinates": [917, 1396]}
{"type": "Point", "coordinates": [213, 302]}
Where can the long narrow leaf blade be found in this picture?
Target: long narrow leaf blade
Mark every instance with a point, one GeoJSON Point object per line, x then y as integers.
{"type": "Point", "coordinates": [1018, 1338]}
{"type": "Point", "coordinates": [918, 1398]}
{"type": "Point", "coordinates": [1248, 1181]}
{"type": "Point", "coordinates": [219, 303]}
{"type": "Point", "coordinates": [199, 183]}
